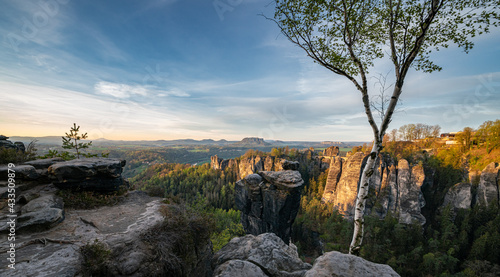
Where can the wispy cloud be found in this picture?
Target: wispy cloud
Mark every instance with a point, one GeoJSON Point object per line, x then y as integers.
{"type": "Point", "coordinates": [119, 90]}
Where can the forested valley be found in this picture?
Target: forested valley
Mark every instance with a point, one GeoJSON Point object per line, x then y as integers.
{"type": "Point", "coordinates": [451, 243]}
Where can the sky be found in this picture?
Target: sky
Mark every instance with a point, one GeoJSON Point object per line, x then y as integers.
{"type": "Point", "coordinates": [218, 69]}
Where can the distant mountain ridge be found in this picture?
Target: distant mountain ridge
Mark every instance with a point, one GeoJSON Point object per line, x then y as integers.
{"type": "Point", "coordinates": [245, 142]}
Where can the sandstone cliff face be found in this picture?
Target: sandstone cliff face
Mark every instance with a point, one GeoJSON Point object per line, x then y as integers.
{"type": "Point", "coordinates": [269, 201]}
{"type": "Point", "coordinates": [488, 189]}
{"type": "Point", "coordinates": [459, 196]}
{"type": "Point", "coordinates": [394, 188]}
{"type": "Point", "coordinates": [344, 195]}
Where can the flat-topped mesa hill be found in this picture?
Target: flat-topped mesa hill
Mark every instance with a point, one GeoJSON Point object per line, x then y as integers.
{"type": "Point", "coordinates": [251, 142]}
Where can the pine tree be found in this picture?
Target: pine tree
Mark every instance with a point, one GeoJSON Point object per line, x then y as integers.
{"type": "Point", "coordinates": [71, 141]}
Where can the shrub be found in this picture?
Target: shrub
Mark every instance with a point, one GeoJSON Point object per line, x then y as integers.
{"type": "Point", "coordinates": [180, 238]}
{"type": "Point", "coordinates": [95, 258]}
{"type": "Point", "coordinates": [90, 199]}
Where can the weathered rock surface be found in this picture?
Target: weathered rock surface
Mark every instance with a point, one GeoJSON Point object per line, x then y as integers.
{"type": "Point", "coordinates": [345, 265]}
{"type": "Point", "coordinates": [333, 179]}
{"type": "Point", "coordinates": [39, 219]}
{"type": "Point", "coordinates": [98, 174]}
{"type": "Point", "coordinates": [410, 198]}
{"type": "Point", "coordinates": [120, 227]}
{"type": "Point", "coordinates": [44, 163]}
{"type": "Point", "coordinates": [42, 203]}
{"type": "Point", "coordinates": [331, 151]}
{"type": "Point", "coordinates": [346, 190]}
{"type": "Point", "coordinates": [488, 188]}
{"type": "Point", "coordinates": [7, 144]}
{"type": "Point", "coordinates": [269, 202]}
{"type": "Point", "coordinates": [459, 196]}
{"type": "Point", "coordinates": [239, 268]}
{"type": "Point", "coordinates": [393, 188]}
{"type": "Point", "coordinates": [250, 165]}
{"type": "Point", "coordinates": [266, 251]}
{"type": "Point", "coordinates": [22, 172]}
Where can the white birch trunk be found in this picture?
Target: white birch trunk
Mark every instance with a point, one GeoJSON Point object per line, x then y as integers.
{"type": "Point", "coordinates": [359, 212]}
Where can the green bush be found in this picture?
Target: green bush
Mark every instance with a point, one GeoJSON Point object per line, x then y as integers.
{"type": "Point", "coordinates": [95, 258]}
{"type": "Point", "coordinates": [180, 238]}
{"type": "Point", "coordinates": [90, 199]}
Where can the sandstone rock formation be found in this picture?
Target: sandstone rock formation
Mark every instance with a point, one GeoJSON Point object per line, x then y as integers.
{"type": "Point", "coordinates": [393, 188]}
{"type": "Point", "coordinates": [344, 265]}
{"type": "Point", "coordinates": [56, 252]}
{"type": "Point", "coordinates": [343, 193]}
{"type": "Point", "coordinates": [488, 188]}
{"type": "Point", "coordinates": [37, 208]}
{"type": "Point", "coordinates": [410, 197]}
{"type": "Point", "coordinates": [263, 255]}
{"type": "Point", "coordinates": [98, 174]}
{"type": "Point", "coordinates": [249, 165]}
{"type": "Point", "coordinates": [331, 151]}
{"type": "Point", "coordinates": [7, 144]}
{"type": "Point", "coordinates": [269, 201]}
{"type": "Point", "coordinates": [459, 196]}
{"type": "Point", "coordinates": [267, 255]}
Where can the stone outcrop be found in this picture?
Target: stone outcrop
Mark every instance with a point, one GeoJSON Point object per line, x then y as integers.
{"type": "Point", "coordinates": [267, 255]}
{"type": "Point", "coordinates": [488, 188]}
{"type": "Point", "coordinates": [7, 144]}
{"type": "Point", "coordinates": [269, 201]}
{"type": "Point", "coordinates": [393, 188]}
{"type": "Point", "coordinates": [221, 164]}
{"type": "Point", "coordinates": [37, 208]}
{"type": "Point", "coordinates": [410, 197]}
{"type": "Point", "coordinates": [459, 196]}
{"type": "Point", "coordinates": [119, 227]}
{"type": "Point", "coordinates": [98, 174]}
{"type": "Point", "coordinates": [343, 192]}
{"type": "Point", "coordinates": [344, 265]}
{"type": "Point", "coordinates": [248, 165]}
{"type": "Point", "coordinates": [333, 179]}
{"type": "Point", "coordinates": [263, 255]}
{"type": "Point", "coordinates": [331, 151]}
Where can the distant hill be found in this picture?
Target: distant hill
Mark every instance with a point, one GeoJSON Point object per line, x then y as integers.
{"type": "Point", "coordinates": [246, 142]}
{"type": "Point", "coordinates": [251, 142]}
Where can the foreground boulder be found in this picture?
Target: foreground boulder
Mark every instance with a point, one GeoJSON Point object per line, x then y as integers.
{"type": "Point", "coordinates": [269, 201]}
{"type": "Point", "coordinates": [121, 228]}
{"type": "Point", "coordinates": [97, 174]}
{"type": "Point", "coordinates": [344, 265]}
{"type": "Point", "coordinates": [263, 255]}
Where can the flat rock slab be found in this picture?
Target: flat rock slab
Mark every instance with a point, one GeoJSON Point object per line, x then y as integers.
{"type": "Point", "coordinates": [21, 172]}
{"type": "Point", "coordinates": [283, 179]}
{"type": "Point", "coordinates": [85, 168]}
{"type": "Point", "coordinates": [44, 163]}
{"type": "Point", "coordinates": [116, 225]}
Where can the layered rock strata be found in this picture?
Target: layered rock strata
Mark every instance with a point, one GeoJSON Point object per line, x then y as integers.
{"type": "Point", "coordinates": [394, 188]}
{"type": "Point", "coordinates": [269, 201]}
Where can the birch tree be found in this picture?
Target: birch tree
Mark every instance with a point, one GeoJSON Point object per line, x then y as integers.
{"type": "Point", "coordinates": [348, 36]}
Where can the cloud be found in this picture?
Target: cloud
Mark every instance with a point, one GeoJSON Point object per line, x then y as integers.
{"type": "Point", "coordinates": [119, 90]}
